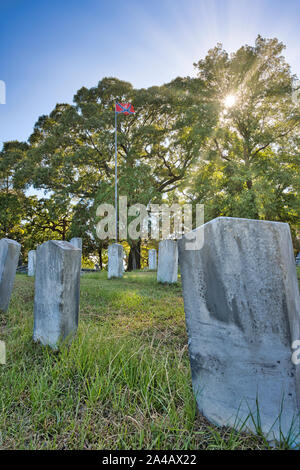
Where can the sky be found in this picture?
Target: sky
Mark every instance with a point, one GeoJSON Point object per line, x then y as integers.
{"type": "Point", "coordinates": [51, 48]}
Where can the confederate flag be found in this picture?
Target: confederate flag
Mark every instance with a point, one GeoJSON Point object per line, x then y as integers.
{"type": "Point", "coordinates": [124, 108]}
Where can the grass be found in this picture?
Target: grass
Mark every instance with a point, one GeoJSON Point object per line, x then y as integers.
{"type": "Point", "coordinates": [123, 383]}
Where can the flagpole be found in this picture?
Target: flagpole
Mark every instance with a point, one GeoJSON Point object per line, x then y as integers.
{"type": "Point", "coordinates": [116, 174]}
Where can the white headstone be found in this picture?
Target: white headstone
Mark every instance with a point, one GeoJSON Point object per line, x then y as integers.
{"type": "Point", "coordinates": [31, 262]}
{"type": "Point", "coordinates": [242, 307]}
{"type": "Point", "coordinates": [115, 260]}
{"type": "Point", "coordinates": [9, 257]}
{"type": "Point", "coordinates": [167, 270]}
{"type": "Point", "coordinates": [152, 259]}
{"type": "Point", "coordinates": [57, 284]}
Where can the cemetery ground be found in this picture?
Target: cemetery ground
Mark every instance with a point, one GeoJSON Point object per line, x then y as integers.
{"type": "Point", "coordinates": [123, 383]}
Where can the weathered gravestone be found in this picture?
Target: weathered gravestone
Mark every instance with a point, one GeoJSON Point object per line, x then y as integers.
{"type": "Point", "coordinates": [115, 260]}
{"type": "Point", "coordinates": [56, 300]}
{"type": "Point", "coordinates": [152, 259]}
{"type": "Point", "coordinates": [298, 259]}
{"type": "Point", "coordinates": [9, 257]}
{"type": "Point", "coordinates": [167, 270]}
{"type": "Point", "coordinates": [242, 309]}
{"type": "Point", "coordinates": [31, 262]}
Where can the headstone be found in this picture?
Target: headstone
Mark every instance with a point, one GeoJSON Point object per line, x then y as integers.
{"type": "Point", "coordinates": [167, 270]}
{"type": "Point", "coordinates": [298, 259]}
{"type": "Point", "coordinates": [9, 257]}
{"type": "Point", "coordinates": [56, 300]}
{"type": "Point", "coordinates": [242, 308]}
{"type": "Point", "coordinates": [31, 262]}
{"type": "Point", "coordinates": [115, 260]}
{"type": "Point", "coordinates": [152, 259]}
{"type": "Point", "coordinates": [77, 242]}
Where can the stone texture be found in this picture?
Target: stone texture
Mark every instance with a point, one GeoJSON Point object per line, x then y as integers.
{"type": "Point", "coordinates": [242, 307]}
{"type": "Point", "coordinates": [31, 262]}
{"type": "Point", "coordinates": [9, 257]}
{"type": "Point", "coordinates": [152, 259]}
{"type": "Point", "coordinates": [298, 259]}
{"type": "Point", "coordinates": [115, 260]}
{"type": "Point", "coordinates": [56, 300]}
{"type": "Point", "coordinates": [167, 270]}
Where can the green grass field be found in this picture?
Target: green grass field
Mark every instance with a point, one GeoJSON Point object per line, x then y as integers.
{"type": "Point", "coordinates": [124, 383]}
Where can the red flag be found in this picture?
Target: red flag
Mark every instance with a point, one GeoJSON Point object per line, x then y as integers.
{"type": "Point", "coordinates": [124, 108]}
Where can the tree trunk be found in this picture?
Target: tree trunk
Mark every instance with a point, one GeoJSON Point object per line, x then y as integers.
{"type": "Point", "coordinates": [100, 258]}
{"type": "Point", "coordinates": [64, 230]}
{"type": "Point", "coordinates": [134, 258]}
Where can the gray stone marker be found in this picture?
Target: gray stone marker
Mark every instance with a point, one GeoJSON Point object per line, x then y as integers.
{"type": "Point", "coordinates": [152, 259]}
{"type": "Point", "coordinates": [167, 270]}
{"type": "Point", "coordinates": [9, 257]}
{"type": "Point", "coordinates": [298, 259]}
{"type": "Point", "coordinates": [115, 260]}
{"type": "Point", "coordinates": [56, 300]}
{"type": "Point", "coordinates": [242, 307]}
{"type": "Point", "coordinates": [31, 262]}
{"type": "Point", "coordinates": [77, 242]}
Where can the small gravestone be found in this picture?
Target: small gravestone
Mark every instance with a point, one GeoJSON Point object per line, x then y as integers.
{"type": "Point", "coordinates": [242, 310]}
{"type": "Point", "coordinates": [167, 270]}
{"type": "Point", "coordinates": [9, 257]}
{"type": "Point", "coordinates": [298, 259]}
{"type": "Point", "coordinates": [56, 300]}
{"type": "Point", "coordinates": [77, 242]}
{"type": "Point", "coordinates": [31, 262]}
{"type": "Point", "coordinates": [152, 259]}
{"type": "Point", "coordinates": [115, 260]}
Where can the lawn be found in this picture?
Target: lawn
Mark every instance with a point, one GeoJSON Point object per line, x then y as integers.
{"type": "Point", "coordinates": [124, 383]}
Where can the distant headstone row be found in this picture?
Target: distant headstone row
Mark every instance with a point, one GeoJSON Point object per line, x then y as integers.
{"type": "Point", "coordinates": [167, 270]}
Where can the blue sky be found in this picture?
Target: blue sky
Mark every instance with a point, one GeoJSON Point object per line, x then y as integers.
{"type": "Point", "coordinates": [50, 48]}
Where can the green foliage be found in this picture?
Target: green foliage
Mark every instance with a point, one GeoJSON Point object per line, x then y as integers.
{"type": "Point", "coordinates": [186, 143]}
{"type": "Point", "coordinates": [249, 166]}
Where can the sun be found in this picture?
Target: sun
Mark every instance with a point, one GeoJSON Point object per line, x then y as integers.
{"type": "Point", "coordinates": [229, 101]}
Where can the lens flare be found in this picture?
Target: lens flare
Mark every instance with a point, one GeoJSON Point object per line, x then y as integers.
{"type": "Point", "coordinates": [229, 101]}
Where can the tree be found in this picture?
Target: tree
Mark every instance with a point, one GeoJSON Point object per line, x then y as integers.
{"type": "Point", "coordinates": [249, 166]}
{"type": "Point", "coordinates": [72, 149]}
{"type": "Point", "coordinates": [13, 201]}
{"type": "Point", "coordinates": [49, 218]}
